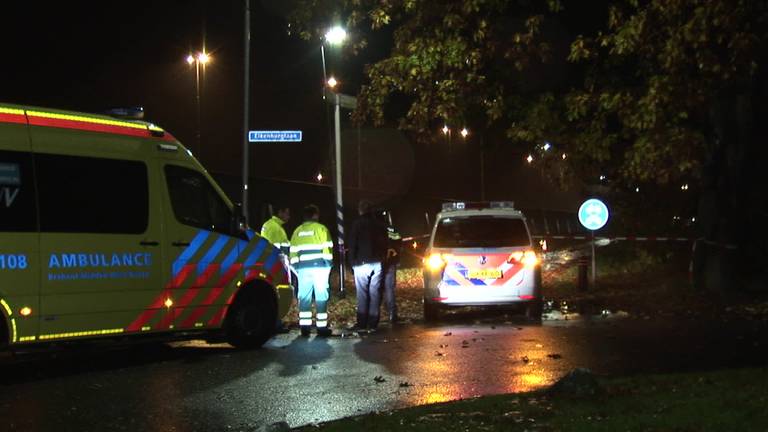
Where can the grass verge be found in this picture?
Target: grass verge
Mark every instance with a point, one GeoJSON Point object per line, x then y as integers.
{"type": "Point", "coordinates": [729, 400]}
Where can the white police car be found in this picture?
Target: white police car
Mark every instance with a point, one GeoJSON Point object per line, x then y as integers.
{"type": "Point", "coordinates": [481, 255]}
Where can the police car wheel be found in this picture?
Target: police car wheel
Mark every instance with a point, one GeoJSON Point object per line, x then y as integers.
{"type": "Point", "coordinates": [251, 320]}
{"type": "Point", "coordinates": [431, 312]}
{"type": "Point", "coordinates": [533, 310]}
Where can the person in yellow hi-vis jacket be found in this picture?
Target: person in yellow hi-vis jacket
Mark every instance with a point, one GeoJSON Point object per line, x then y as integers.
{"type": "Point", "coordinates": [273, 231]}
{"type": "Point", "coordinates": [312, 257]}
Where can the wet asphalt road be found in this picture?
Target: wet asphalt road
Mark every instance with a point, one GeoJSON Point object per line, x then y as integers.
{"type": "Point", "coordinates": [192, 386]}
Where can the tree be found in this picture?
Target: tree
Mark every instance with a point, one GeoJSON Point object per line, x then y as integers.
{"type": "Point", "coordinates": [661, 91]}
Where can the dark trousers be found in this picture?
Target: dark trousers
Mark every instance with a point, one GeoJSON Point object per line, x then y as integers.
{"type": "Point", "coordinates": [368, 280]}
{"type": "Point", "coordinates": [390, 281]}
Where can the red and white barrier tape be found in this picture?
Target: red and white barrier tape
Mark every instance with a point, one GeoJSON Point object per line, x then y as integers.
{"type": "Point", "coordinates": [626, 238]}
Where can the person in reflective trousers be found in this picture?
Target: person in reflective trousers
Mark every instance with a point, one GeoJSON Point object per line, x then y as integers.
{"type": "Point", "coordinates": [367, 251]}
{"type": "Point", "coordinates": [273, 231]}
{"type": "Point", "coordinates": [312, 257]}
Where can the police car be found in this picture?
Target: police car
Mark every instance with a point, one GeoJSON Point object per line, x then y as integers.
{"type": "Point", "coordinates": [481, 255]}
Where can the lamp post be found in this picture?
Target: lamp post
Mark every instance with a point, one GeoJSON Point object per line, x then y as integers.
{"type": "Point", "coordinates": [335, 36]}
{"type": "Point", "coordinates": [198, 59]}
{"type": "Point", "coordinates": [246, 102]}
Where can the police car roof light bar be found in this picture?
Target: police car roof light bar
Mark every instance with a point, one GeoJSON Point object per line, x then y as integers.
{"type": "Point", "coordinates": [453, 206]}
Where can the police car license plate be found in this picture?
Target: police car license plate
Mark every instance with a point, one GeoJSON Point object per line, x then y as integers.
{"type": "Point", "coordinates": [484, 274]}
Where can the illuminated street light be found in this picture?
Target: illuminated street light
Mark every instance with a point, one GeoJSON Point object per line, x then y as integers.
{"type": "Point", "coordinates": [564, 156]}
{"type": "Point", "coordinates": [336, 35]}
{"type": "Point", "coordinates": [547, 146]}
{"type": "Point", "coordinates": [445, 130]}
{"type": "Point", "coordinates": [684, 187]}
{"type": "Point", "coordinates": [332, 82]}
{"type": "Point", "coordinates": [529, 159]}
{"type": "Point", "coordinates": [602, 177]}
{"type": "Point", "coordinates": [319, 177]}
{"type": "Point", "coordinates": [637, 189]}
{"type": "Point", "coordinates": [198, 59]}
{"type": "Point", "coordinates": [464, 132]}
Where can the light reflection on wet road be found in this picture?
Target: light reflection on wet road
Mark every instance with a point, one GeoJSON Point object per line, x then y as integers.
{"type": "Point", "coordinates": [193, 386]}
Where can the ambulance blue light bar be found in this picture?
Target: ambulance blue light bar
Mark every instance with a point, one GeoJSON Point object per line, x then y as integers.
{"type": "Point", "coordinates": [454, 206]}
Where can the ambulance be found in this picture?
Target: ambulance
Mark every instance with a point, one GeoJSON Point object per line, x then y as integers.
{"type": "Point", "coordinates": [481, 254]}
{"type": "Point", "coordinates": [109, 228]}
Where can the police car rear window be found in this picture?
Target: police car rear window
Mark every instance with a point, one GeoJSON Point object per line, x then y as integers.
{"type": "Point", "coordinates": [481, 231]}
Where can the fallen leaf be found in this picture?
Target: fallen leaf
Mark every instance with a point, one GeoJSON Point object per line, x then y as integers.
{"type": "Point", "coordinates": [379, 379]}
{"type": "Point", "coordinates": [448, 334]}
{"type": "Point", "coordinates": [554, 356]}
{"type": "Point", "coordinates": [406, 384]}
{"type": "Point", "coordinates": [525, 359]}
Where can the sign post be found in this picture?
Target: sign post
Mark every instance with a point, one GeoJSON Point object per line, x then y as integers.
{"type": "Point", "coordinates": [339, 101]}
{"type": "Point", "coordinates": [593, 215]}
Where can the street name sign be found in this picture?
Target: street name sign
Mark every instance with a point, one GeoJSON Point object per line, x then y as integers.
{"type": "Point", "coordinates": [593, 214]}
{"type": "Point", "coordinates": [274, 136]}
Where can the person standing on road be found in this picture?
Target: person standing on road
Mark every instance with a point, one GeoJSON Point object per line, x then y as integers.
{"type": "Point", "coordinates": [312, 257]}
{"type": "Point", "coordinates": [394, 248]}
{"type": "Point", "coordinates": [367, 251]}
{"type": "Point", "coordinates": [273, 231]}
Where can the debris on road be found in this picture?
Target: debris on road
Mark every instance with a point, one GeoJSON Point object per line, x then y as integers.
{"type": "Point", "coordinates": [379, 379]}
{"type": "Point", "coordinates": [578, 383]}
{"type": "Point", "coordinates": [554, 356]}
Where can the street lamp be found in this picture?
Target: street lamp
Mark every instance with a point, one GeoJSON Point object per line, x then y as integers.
{"type": "Point", "coordinates": [198, 59]}
{"type": "Point", "coordinates": [335, 36]}
{"type": "Point", "coordinates": [464, 132]}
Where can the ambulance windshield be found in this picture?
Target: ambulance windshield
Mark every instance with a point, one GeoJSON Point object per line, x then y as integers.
{"type": "Point", "coordinates": [481, 232]}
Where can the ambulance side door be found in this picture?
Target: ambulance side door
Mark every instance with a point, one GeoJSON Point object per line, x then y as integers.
{"type": "Point", "coordinates": [202, 249]}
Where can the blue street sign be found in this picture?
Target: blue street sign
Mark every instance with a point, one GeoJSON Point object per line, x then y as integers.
{"type": "Point", "coordinates": [593, 214]}
{"type": "Point", "coordinates": [274, 136]}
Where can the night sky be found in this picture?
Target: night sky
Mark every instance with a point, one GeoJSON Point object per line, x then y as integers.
{"type": "Point", "coordinates": [91, 57]}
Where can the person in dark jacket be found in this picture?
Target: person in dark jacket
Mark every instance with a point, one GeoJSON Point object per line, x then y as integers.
{"type": "Point", "coordinates": [367, 252]}
{"type": "Point", "coordinates": [394, 248]}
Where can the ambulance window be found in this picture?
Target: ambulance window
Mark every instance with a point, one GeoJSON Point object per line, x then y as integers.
{"type": "Point", "coordinates": [481, 231]}
{"type": "Point", "coordinates": [195, 202]}
{"type": "Point", "coordinates": [92, 195]}
{"type": "Point", "coordinates": [17, 193]}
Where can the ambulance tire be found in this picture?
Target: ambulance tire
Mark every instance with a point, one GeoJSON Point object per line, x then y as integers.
{"type": "Point", "coordinates": [431, 312]}
{"type": "Point", "coordinates": [251, 318]}
{"type": "Point", "coordinates": [4, 337]}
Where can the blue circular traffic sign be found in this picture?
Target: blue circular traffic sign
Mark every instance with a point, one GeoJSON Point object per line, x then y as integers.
{"type": "Point", "coordinates": [593, 214]}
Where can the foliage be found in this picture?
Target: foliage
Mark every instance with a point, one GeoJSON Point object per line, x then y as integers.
{"type": "Point", "coordinates": [638, 108]}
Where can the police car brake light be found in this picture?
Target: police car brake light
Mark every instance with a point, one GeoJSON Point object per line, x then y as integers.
{"type": "Point", "coordinates": [437, 261]}
{"type": "Point", "coordinates": [527, 258]}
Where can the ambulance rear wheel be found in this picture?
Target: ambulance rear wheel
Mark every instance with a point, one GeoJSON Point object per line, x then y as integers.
{"type": "Point", "coordinates": [431, 312]}
{"type": "Point", "coordinates": [252, 317]}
